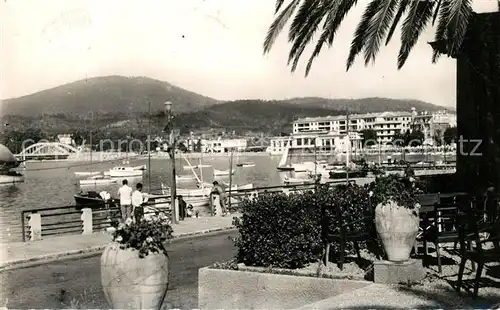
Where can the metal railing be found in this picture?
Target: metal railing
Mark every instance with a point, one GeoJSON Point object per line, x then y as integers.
{"type": "Point", "coordinates": [70, 219]}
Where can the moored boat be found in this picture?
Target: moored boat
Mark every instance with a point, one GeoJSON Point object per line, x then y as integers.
{"type": "Point", "coordinates": [246, 164]}
{"type": "Point", "coordinates": [185, 178]}
{"type": "Point", "coordinates": [124, 171]}
{"type": "Point", "coordinates": [87, 173]}
{"type": "Point", "coordinates": [11, 177]}
{"type": "Point", "coordinates": [198, 166]}
{"type": "Point", "coordinates": [223, 172]}
{"type": "Point", "coordinates": [97, 180]}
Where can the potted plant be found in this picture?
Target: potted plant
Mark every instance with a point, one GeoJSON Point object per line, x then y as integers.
{"type": "Point", "coordinates": [396, 215]}
{"type": "Point", "coordinates": [134, 266]}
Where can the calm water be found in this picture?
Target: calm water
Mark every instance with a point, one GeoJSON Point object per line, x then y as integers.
{"type": "Point", "coordinates": [52, 184]}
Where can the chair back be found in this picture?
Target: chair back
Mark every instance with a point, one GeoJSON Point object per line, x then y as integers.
{"type": "Point", "coordinates": [491, 206]}
{"type": "Point", "coordinates": [445, 213]}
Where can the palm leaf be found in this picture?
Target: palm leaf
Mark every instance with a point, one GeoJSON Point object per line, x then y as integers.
{"type": "Point", "coordinates": [279, 4]}
{"type": "Point", "coordinates": [436, 11]}
{"type": "Point", "coordinates": [459, 12]}
{"type": "Point", "coordinates": [419, 15]}
{"type": "Point", "coordinates": [359, 40]}
{"type": "Point", "coordinates": [302, 39]}
{"type": "Point", "coordinates": [337, 12]}
{"type": "Point", "coordinates": [278, 24]}
{"type": "Point", "coordinates": [301, 19]}
{"type": "Point", "coordinates": [379, 24]}
{"type": "Point", "coordinates": [403, 5]}
{"type": "Point", "coordinates": [440, 35]}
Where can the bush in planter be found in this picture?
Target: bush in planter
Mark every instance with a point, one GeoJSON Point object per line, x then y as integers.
{"type": "Point", "coordinates": [396, 214]}
{"type": "Point", "coordinates": [280, 231]}
{"type": "Point", "coordinates": [137, 261]}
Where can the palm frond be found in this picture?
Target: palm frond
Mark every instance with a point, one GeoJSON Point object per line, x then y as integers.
{"type": "Point", "coordinates": [337, 11]}
{"type": "Point", "coordinates": [440, 35]}
{"type": "Point", "coordinates": [459, 12]}
{"type": "Point", "coordinates": [403, 5]}
{"type": "Point", "coordinates": [418, 17]}
{"type": "Point", "coordinates": [379, 24]}
{"type": "Point", "coordinates": [279, 4]}
{"type": "Point", "coordinates": [301, 19]}
{"type": "Point", "coordinates": [436, 11]}
{"type": "Point", "coordinates": [302, 39]}
{"type": "Point", "coordinates": [278, 24]}
{"type": "Point", "coordinates": [359, 40]}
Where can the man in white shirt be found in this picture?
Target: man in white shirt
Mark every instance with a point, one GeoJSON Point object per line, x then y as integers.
{"type": "Point", "coordinates": [125, 194]}
{"type": "Point", "coordinates": [137, 201]}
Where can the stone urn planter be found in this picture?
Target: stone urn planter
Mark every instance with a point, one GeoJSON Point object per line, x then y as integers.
{"type": "Point", "coordinates": [131, 282]}
{"type": "Point", "coordinates": [397, 228]}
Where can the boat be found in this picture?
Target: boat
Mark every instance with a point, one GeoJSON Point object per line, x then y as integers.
{"type": "Point", "coordinates": [185, 178]}
{"type": "Point", "coordinates": [303, 167]}
{"type": "Point", "coordinates": [92, 199]}
{"type": "Point", "coordinates": [283, 165]}
{"type": "Point", "coordinates": [87, 173]}
{"type": "Point", "coordinates": [290, 180]}
{"type": "Point", "coordinates": [197, 197]}
{"type": "Point", "coordinates": [342, 174]}
{"type": "Point", "coordinates": [223, 172]}
{"type": "Point", "coordinates": [140, 167]}
{"type": "Point", "coordinates": [124, 171]}
{"type": "Point", "coordinates": [246, 164]}
{"type": "Point", "coordinates": [11, 177]}
{"type": "Point", "coordinates": [198, 166]}
{"type": "Point", "coordinates": [236, 187]}
{"type": "Point", "coordinates": [8, 162]}
{"type": "Point", "coordinates": [97, 180]}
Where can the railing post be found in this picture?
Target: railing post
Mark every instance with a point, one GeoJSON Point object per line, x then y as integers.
{"type": "Point", "coordinates": [216, 204]}
{"type": "Point", "coordinates": [86, 221]}
{"type": "Point", "coordinates": [35, 226]}
{"type": "Point", "coordinates": [176, 208]}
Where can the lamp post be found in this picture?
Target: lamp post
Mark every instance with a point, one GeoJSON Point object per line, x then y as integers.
{"type": "Point", "coordinates": [171, 152]}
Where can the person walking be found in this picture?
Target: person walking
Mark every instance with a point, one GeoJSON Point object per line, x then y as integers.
{"type": "Point", "coordinates": [138, 200]}
{"type": "Point", "coordinates": [182, 207]}
{"type": "Point", "coordinates": [125, 194]}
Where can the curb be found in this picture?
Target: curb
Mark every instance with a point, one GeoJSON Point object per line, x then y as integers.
{"type": "Point", "coordinates": [91, 251]}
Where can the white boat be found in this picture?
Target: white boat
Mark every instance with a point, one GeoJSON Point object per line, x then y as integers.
{"type": "Point", "coordinates": [223, 172]}
{"type": "Point", "coordinates": [197, 197]}
{"type": "Point", "coordinates": [140, 167]}
{"type": "Point", "coordinates": [198, 166]}
{"type": "Point", "coordinates": [122, 171]}
{"type": "Point", "coordinates": [185, 178]}
{"type": "Point", "coordinates": [289, 180]}
{"type": "Point", "coordinates": [11, 178]}
{"type": "Point", "coordinates": [97, 180]}
{"type": "Point", "coordinates": [86, 173]}
{"type": "Point", "coordinates": [236, 187]}
{"type": "Point", "coordinates": [246, 164]}
{"type": "Point", "coordinates": [302, 167]}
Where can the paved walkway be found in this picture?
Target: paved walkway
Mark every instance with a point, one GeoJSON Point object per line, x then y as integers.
{"type": "Point", "coordinates": [52, 248]}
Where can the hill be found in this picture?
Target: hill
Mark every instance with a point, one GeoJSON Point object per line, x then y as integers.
{"type": "Point", "coordinates": [103, 95]}
{"type": "Point", "coordinates": [367, 105]}
{"type": "Point", "coordinates": [257, 115]}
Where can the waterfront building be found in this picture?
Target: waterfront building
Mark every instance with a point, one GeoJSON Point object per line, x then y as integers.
{"type": "Point", "coordinates": [277, 145]}
{"type": "Point", "coordinates": [223, 145]}
{"type": "Point", "coordinates": [385, 124]}
{"type": "Point", "coordinates": [65, 139]}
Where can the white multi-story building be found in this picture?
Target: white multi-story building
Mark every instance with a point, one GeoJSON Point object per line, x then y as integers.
{"type": "Point", "coordinates": [223, 145]}
{"type": "Point", "coordinates": [65, 139]}
{"type": "Point", "coordinates": [277, 145]}
{"type": "Point", "coordinates": [385, 124]}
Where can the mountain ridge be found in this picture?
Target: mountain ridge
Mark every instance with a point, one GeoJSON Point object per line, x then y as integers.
{"type": "Point", "coordinates": [129, 95]}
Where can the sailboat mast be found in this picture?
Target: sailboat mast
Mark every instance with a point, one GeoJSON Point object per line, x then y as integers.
{"type": "Point", "coordinates": [348, 146]}
{"type": "Point", "coordinates": [230, 177]}
{"type": "Point", "coordinates": [91, 165]}
{"type": "Point", "coordinates": [149, 147]}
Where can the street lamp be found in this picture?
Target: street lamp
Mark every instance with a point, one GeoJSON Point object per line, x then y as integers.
{"type": "Point", "coordinates": [171, 152]}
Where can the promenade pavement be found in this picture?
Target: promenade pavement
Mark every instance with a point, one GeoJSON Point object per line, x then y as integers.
{"type": "Point", "coordinates": [18, 254]}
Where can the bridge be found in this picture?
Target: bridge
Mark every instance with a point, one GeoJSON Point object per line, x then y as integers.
{"type": "Point", "coordinates": [47, 150]}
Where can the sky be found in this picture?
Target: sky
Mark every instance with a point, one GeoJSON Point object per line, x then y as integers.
{"type": "Point", "coordinates": [211, 47]}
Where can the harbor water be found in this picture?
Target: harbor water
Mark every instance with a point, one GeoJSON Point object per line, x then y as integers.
{"type": "Point", "coordinates": [53, 183]}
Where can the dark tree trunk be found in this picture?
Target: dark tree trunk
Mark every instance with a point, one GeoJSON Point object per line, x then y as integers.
{"type": "Point", "coordinates": [478, 104]}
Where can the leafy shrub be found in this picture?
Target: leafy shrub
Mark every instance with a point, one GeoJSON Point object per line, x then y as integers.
{"type": "Point", "coordinates": [147, 235]}
{"type": "Point", "coordinates": [231, 265]}
{"type": "Point", "coordinates": [280, 231]}
{"type": "Point", "coordinates": [352, 202]}
{"type": "Point", "coordinates": [399, 189]}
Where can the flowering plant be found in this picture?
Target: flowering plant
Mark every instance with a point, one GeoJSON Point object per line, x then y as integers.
{"type": "Point", "coordinates": [147, 235]}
